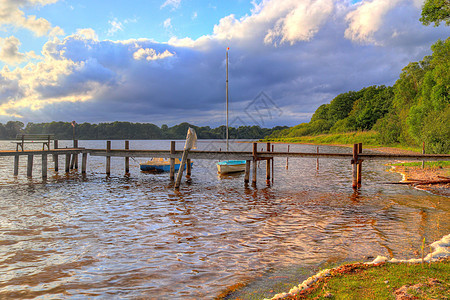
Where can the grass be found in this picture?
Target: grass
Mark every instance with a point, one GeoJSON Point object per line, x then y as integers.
{"type": "Point", "coordinates": [368, 138]}
{"type": "Point", "coordinates": [428, 164]}
{"type": "Point", "coordinates": [425, 281]}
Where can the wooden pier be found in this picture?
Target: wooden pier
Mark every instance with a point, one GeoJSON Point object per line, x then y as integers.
{"type": "Point", "coordinates": [71, 158]}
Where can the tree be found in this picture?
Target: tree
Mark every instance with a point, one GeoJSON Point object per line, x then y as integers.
{"type": "Point", "coordinates": [436, 11]}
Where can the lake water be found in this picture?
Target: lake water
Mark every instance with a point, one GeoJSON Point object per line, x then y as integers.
{"type": "Point", "coordinates": [119, 237]}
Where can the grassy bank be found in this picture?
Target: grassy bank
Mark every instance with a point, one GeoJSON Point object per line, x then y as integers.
{"type": "Point", "coordinates": [384, 281]}
{"type": "Point", "coordinates": [368, 138]}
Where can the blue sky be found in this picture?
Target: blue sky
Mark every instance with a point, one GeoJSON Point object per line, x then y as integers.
{"type": "Point", "coordinates": [163, 61]}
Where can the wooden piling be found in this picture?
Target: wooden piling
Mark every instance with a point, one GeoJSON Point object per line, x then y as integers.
{"type": "Point", "coordinates": [30, 166]}
{"type": "Point", "coordinates": [108, 158]}
{"type": "Point", "coordinates": [287, 159]}
{"type": "Point", "coordinates": [172, 161]}
{"type": "Point", "coordinates": [272, 161]}
{"type": "Point", "coordinates": [247, 172]}
{"type": "Point", "coordinates": [188, 168]}
{"type": "Point", "coordinates": [127, 159]}
{"type": "Point", "coordinates": [268, 165]}
{"type": "Point", "coordinates": [317, 162]}
{"type": "Point", "coordinates": [44, 165]}
{"type": "Point", "coordinates": [83, 163]}
{"type": "Point", "coordinates": [359, 167]}
{"type": "Point", "coordinates": [16, 165]}
{"type": "Point", "coordinates": [67, 163]}
{"type": "Point", "coordinates": [75, 160]}
{"type": "Point", "coordinates": [354, 165]}
{"type": "Point", "coordinates": [55, 156]}
{"type": "Point", "coordinates": [181, 169]}
{"type": "Point", "coordinates": [255, 165]}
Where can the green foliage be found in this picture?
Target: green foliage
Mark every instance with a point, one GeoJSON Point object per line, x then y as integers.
{"type": "Point", "coordinates": [436, 11]}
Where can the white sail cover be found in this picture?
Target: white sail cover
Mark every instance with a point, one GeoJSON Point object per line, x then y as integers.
{"type": "Point", "coordinates": [191, 139]}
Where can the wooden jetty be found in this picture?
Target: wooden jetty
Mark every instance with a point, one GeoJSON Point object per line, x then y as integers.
{"type": "Point", "coordinates": [71, 154]}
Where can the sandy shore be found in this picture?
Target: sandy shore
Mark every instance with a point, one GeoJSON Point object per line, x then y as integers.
{"type": "Point", "coordinates": [416, 174]}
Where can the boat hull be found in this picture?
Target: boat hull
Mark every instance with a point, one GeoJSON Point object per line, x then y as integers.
{"type": "Point", "coordinates": [231, 166]}
{"type": "Point", "coordinates": [159, 167]}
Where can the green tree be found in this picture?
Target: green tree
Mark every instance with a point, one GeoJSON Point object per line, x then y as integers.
{"type": "Point", "coordinates": [436, 11]}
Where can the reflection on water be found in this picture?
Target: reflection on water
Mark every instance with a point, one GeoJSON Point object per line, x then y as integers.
{"type": "Point", "coordinates": [131, 237]}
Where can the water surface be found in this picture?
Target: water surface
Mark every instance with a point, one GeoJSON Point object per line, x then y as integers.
{"type": "Point", "coordinates": [134, 237]}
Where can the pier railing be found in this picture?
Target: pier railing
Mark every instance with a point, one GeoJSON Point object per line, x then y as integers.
{"type": "Point", "coordinates": [71, 154]}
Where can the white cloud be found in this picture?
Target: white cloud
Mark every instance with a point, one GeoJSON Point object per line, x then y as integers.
{"type": "Point", "coordinates": [151, 54]}
{"type": "Point", "coordinates": [140, 80]}
{"type": "Point", "coordinates": [302, 23]}
{"type": "Point", "coordinates": [167, 23]}
{"type": "Point", "coordinates": [115, 26]}
{"type": "Point", "coordinates": [173, 3]}
{"type": "Point", "coordinates": [9, 51]}
{"type": "Point", "coordinates": [11, 14]}
{"type": "Point", "coordinates": [367, 19]}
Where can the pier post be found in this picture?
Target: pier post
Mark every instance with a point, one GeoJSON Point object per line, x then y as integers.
{"type": "Point", "coordinates": [255, 166]}
{"type": "Point", "coordinates": [75, 145]}
{"type": "Point", "coordinates": [317, 162]}
{"type": "Point", "coordinates": [16, 165]}
{"type": "Point", "coordinates": [172, 161]}
{"type": "Point", "coordinates": [55, 156]}
{"type": "Point", "coordinates": [272, 160]}
{"type": "Point", "coordinates": [359, 168]}
{"type": "Point", "coordinates": [84, 163]}
{"type": "Point", "coordinates": [355, 163]}
{"type": "Point", "coordinates": [247, 172]}
{"type": "Point", "coordinates": [188, 168]}
{"type": "Point", "coordinates": [180, 171]}
{"type": "Point", "coordinates": [108, 158]}
{"type": "Point", "coordinates": [127, 159]}
{"type": "Point", "coordinates": [30, 166]}
{"type": "Point", "coordinates": [44, 165]}
{"type": "Point", "coordinates": [287, 159]}
{"type": "Point", "coordinates": [67, 163]}
{"type": "Point", "coordinates": [268, 165]}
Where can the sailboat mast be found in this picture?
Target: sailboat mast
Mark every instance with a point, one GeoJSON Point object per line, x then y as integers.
{"type": "Point", "coordinates": [227, 99]}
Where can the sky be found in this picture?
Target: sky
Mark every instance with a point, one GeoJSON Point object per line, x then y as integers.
{"type": "Point", "coordinates": [164, 61]}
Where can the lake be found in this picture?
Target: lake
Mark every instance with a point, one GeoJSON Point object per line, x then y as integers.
{"type": "Point", "coordinates": [128, 237]}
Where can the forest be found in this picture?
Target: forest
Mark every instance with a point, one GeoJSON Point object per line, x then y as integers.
{"type": "Point", "coordinates": [127, 130]}
{"type": "Point", "coordinates": [415, 110]}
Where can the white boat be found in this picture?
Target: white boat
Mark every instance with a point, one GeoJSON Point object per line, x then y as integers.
{"type": "Point", "coordinates": [229, 166]}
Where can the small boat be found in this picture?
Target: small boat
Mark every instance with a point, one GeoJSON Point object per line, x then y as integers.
{"type": "Point", "coordinates": [160, 165]}
{"type": "Point", "coordinates": [231, 166]}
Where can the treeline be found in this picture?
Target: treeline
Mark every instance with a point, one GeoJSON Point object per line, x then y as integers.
{"type": "Point", "coordinates": [127, 130]}
{"type": "Point", "coordinates": [415, 110]}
